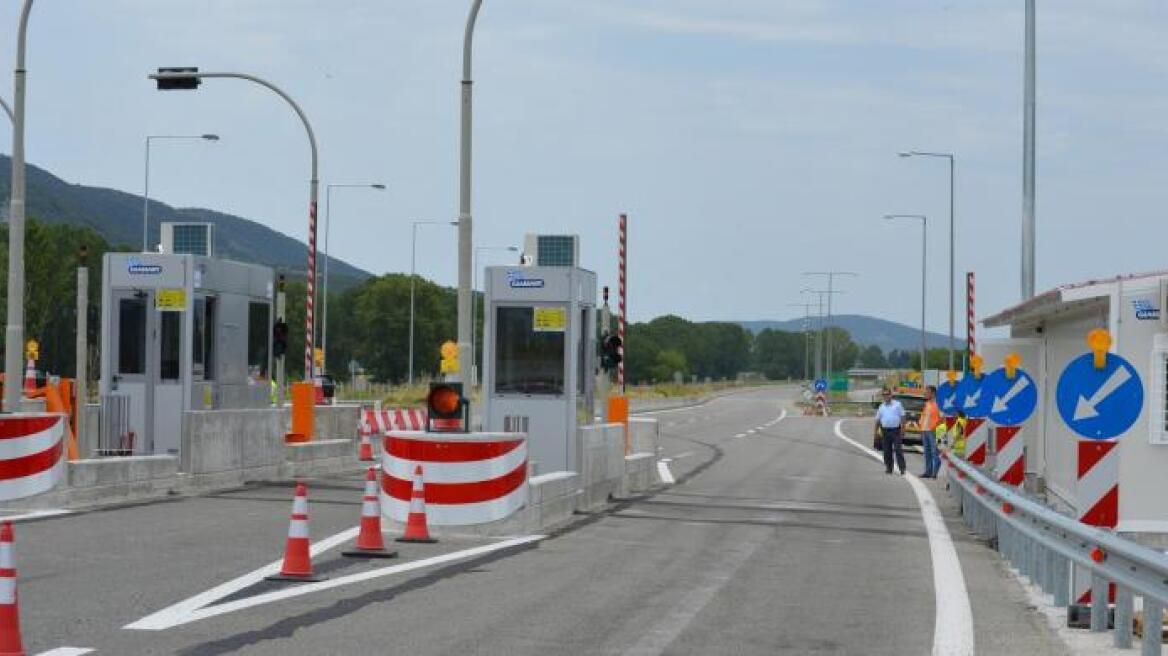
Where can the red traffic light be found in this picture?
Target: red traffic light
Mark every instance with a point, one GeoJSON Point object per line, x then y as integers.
{"type": "Point", "coordinates": [445, 401]}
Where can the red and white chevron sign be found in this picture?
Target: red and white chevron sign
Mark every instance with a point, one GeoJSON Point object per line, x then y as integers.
{"type": "Point", "coordinates": [976, 439]}
{"type": "Point", "coordinates": [379, 420]}
{"type": "Point", "coordinates": [1097, 498]}
{"type": "Point", "coordinates": [1010, 466]}
{"type": "Point", "coordinates": [468, 480]}
{"type": "Point", "coordinates": [31, 454]}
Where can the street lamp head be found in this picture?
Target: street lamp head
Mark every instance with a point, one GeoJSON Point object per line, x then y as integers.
{"type": "Point", "coordinates": [378, 185]}
{"type": "Point", "coordinates": [904, 153]}
{"type": "Point", "coordinates": [513, 249]}
{"type": "Point", "coordinates": [184, 77]}
{"type": "Point", "coordinates": [211, 137]}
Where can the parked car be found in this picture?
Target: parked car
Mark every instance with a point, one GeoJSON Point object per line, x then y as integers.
{"type": "Point", "coordinates": [913, 401]}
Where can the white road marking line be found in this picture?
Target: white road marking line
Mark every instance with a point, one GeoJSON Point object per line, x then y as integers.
{"type": "Point", "coordinates": [664, 473]}
{"type": "Point", "coordinates": [66, 651]}
{"type": "Point", "coordinates": [953, 620]}
{"type": "Point", "coordinates": [308, 588]}
{"type": "Point", "coordinates": [37, 514]}
{"type": "Point", "coordinates": [750, 432]}
{"type": "Point", "coordinates": [166, 617]}
{"type": "Point", "coordinates": [739, 436]}
{"type": "Point", "coordinates": [683, 454]}
{"type": "Point", "coordinates": [667, 460]}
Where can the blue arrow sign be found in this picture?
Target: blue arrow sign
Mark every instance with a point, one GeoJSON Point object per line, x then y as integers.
{"type": "Point", "coordinates": [971, 398]}
{"type": "Point", "coordinates": [1011, 401]}
{"type": "Point", "coordinates": [947, 398]}
{"type": "Point", "coordinates": [1099, 404]}
{"type": "Point", "coordinates": [820, 385]}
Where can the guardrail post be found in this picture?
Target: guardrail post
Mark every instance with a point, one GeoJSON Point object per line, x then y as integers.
{"type": "Point", "coordinates": [1153, 626]}
{"type": "Point", "coordinates": [1123, 617]}
{"type": "Point", "coordinates": [1062, 582]}
{"type": "Point", "coordinates": [1098, 603]}
{"type": "Point", "coordinates": [1044, 568]}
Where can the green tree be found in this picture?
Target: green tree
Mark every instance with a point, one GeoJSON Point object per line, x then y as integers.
{"type": "Point", "coordinates": [779, 355]}
{"type": "Point", "coordinates": [667, 364]}
{"type": "Point", "coordinates": [873, 358]}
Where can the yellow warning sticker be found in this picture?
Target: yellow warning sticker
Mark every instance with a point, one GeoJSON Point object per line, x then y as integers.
{"type": "Point", "coordinates": [549, 320]}
{"type": "Point", "coordinates": [170, 299]}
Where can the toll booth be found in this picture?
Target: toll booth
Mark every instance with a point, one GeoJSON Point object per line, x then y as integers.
{"type": "Point", "coordinates": [180, 332]}
{"type": "Point", "coordinates": [539, 358]}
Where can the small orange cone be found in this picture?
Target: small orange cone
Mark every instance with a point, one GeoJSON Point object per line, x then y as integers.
{"type": "Point", "coordinates": [416, 530]}
{"type": "Point", "coordinates": [10, 643]}
{"type": "Point", "coordinates": [29, 378]}
{"type": "Point", "coordinates": [370, 543]}
{"type": "Point", "coordinates": [365, 454]}
{"type": "Point", "coordinates": [297, 561]}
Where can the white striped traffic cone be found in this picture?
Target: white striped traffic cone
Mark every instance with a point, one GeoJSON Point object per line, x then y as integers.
{"type": "Point", "coordinates": [416, 529]}
{"type": "Point", "coordinates": [370, 543]}
{"type": "Point", "coordinates": [30, 377]}
{"type": "Point", "coordinates": [365, 454]}
{"type": "Point", "coordinates": [10, 643]}
{"type": "Point", "coordinates": [297, 559]}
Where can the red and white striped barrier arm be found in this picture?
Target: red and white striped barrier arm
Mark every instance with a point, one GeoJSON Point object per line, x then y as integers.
{"type": "Point", "coordinates": [466, 481]}
{"type": "Point", "coordinates": [31, 454]}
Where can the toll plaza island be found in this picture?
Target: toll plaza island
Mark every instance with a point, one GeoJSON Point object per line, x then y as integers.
{"type": "Point", "coordinates": [188, 402]}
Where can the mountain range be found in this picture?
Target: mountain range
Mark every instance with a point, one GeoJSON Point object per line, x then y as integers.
{"type": "Point", "coordinates": [117, 216]}
{"type": "Point", "coordinates": [865, 330]}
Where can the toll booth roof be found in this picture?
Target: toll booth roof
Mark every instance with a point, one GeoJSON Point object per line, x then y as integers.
{"type": "Point", "coordinates": [1066, 298]}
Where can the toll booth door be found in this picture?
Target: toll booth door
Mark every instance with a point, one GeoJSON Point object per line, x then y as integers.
{"type": "Point", "coordinates": [166, 423]}
{"type": "Point", "coordinates": [133, 362]}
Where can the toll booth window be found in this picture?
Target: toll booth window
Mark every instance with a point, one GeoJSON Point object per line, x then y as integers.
{"type": "Point", "coordinates": [132, 336]}
{"type": "Point", "coordinates": [170, 345]}
{"type": "Point", "coordinates": [258, 335]}
{"type": "Point", "coordinates": [203, 339]}
{"type": "Point", "coordinates": [527, 361]}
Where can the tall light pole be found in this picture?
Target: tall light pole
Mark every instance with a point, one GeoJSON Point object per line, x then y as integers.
{"type": "Point", "coordinates": [806, 337]}
{"type": "Point", "coordinates": [14, 330]}
{"type": "Point", "coordinates": [820, 293]}
{"type": "Point", "coordinates": [414, 280]}
{"type": "Point", "coordinates": [952, 241]}
{"type": "Point", "coordinates": [473, 313]}
{"type": "Point", "coordinates": [830, 275]}
{"type": "Point", "coordinates": [328, 190]}
{"type": "Point", "coordinates": [146, 177]}
{"type": "Point", "coordinates": [191, 78]}
{"type": "Point", "coordinates": [1028, 148]}
{"type": "Point", "coordinates": [465, 241]}
{"type": "Point", "coordinates": [924, 251]}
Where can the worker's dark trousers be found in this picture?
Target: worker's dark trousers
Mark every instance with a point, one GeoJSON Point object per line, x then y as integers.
{"type": "Point", "coordinates": [893, 442]}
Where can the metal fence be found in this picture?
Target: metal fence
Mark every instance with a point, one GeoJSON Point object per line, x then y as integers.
{"type": "Point", "coordinates": [115, 437]}
{"type": "Point", "coordinates": [1046, 546]}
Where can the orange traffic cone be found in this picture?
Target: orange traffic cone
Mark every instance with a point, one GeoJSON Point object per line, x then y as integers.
{"type": "Point", "coordinates": [30, 377]}
{"type": "Point", "coordinates": [10, 643]}
{"type": "Point", "coordinates": [370, 543]}
{"type": "Point", "coordinates": [297, 560]}
{"type": "Point", "coordinates": [416, 530]}
{"type": "Point", "coordinates": [365, 454]}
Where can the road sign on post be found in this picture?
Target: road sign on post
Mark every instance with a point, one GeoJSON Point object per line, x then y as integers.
{"type": "Point", "coordinates": [1011, 401]}
{"type": "Point", "coordinates": [820, 385]}
{"type": "Point", "coordinates": [1099, 404]}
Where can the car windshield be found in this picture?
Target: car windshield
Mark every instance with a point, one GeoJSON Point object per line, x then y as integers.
{"type": "Point", "coordinates": [911, 403]}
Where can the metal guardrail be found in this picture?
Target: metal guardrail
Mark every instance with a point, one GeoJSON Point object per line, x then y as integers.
{"type": "Point", "coordinates": [1044, 545]}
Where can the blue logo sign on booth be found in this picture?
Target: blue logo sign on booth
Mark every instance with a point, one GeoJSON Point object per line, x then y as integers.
{"type": "Point", "coordinates": [1011, 401]}
{"type": "Point", "coordinates": [947, 398]}
{"type": "Point", "coordinates": [820, 385]}
{"type": "Point", "coordinates": [1099, 404]}
{"type": "Point", "coordinates": [971, 396]}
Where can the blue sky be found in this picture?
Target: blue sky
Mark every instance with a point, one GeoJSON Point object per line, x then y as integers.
{"type": "Point", "coordinates": [749, 140]}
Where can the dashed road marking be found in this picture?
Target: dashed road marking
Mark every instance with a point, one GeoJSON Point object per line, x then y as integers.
{"type": "Point", "coordinates": [664, 473]}
{"type": "Point", "coordinates": [739, 436]}
{"type": "Point", "coordinates": [66, 651]}
{"type": "Point", "coordinates": [953, 619]}
{"type": "Point", "coordinates": [37, 514]}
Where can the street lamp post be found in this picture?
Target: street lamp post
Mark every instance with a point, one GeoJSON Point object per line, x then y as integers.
{"type": "Point", "coordinates": [830, 275]}
{"type": "Point", "coordinates": [474, 306]}
{"type": "Point", "coordinates": [952, 239]}
{"type": "Point", "coordinates": [14, 330]}
{"type": "Point", "coordinates": [190, 78]}
{"type": "Point", "coordinates": [806, 337]}
{"type": "Point", "coordinates": [328, 190]}
{"type": "Point", "coordinates": [465, 306]}
{"type": "Point", "coordinates": [414, 280]}
{"type": "Point", "coordinates": [820, 293]}
{"type": "Point", "coordinates": [146, 176]}
{"type": "Point", "coordinates": [924, 252]}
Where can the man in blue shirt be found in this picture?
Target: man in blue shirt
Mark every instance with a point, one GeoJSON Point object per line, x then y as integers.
{"type": "Point", "coordinates": [890, 419]}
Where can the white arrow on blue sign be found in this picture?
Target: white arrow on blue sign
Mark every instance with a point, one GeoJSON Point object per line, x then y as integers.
{"type": "Point", "coordinates": [1099, 404]}
{"type": "Point", "coordinates": [947, 398]}
{"type": "Point", "coordinates": [972, 397]}
{"type": "Point", "coordinates": [1012, 401]}
{"type": "Point", "coordinates": [820, 385]}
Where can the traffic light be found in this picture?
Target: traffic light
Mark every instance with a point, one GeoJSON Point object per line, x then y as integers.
{"type": "Point", "coordinates": [279, 338]}
{"type": "Point", "coordinates": [446, 408]}
{"type": "Point", "coordinates": [610, 355]}
{"type": "Point", "coordinates": [178, 78]}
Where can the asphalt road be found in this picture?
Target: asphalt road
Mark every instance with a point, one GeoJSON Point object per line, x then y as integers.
{"type": "Point", "coordinates": [779, 537]}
